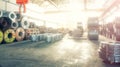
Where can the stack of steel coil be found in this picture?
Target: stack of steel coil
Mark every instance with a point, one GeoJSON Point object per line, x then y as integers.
{"type": "Point", "coordinates": [16, 27]}
{"type": "Point", "coordinates": [110, 51]}
{"type": "Point", "coordinates": [12, 26]}
{"type": "Point", "coordinates": [7, 25]}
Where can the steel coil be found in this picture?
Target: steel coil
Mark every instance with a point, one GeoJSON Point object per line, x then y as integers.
{"type": "Point", "coordinates": [93, 35]}
{"type": "Point", "coordinates": [24, 23]}
{"type": "Point", "coordinates": [1, 20]}
{"type": "Point", "coordinates": [3, 13]}
{"type": "Point", "coordinates": [8, 14]}
{"type": "Point", "coordinates": [32, 25]}
{"type": "Point", "coordinates": [1, 36]}
{"type": "Point", "coordinates": [27, 34]}
{"type": "Point", "coordinates": [12, 16]}
{"type": "Point", "coordinates": [5, 22]}
{"type": "Point", "coordinates": [14, 25]}
{"type": "Point", "coordinates": [9, 36]}
{"type": "Point", "coordinates": [18, 16]}
{"type": "Point", "coordinates": [20, 34]}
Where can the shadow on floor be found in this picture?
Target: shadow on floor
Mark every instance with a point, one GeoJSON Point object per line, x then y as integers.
{"type": "Point", "coordinates": [111, 65]}
{"type": "Point", "coordinates": [0, 65]}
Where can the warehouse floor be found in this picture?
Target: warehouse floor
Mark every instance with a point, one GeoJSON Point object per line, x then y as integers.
{"type": "Point", "coordinates": [68, 52]}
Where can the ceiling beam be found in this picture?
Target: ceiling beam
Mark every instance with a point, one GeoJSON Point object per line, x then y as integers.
{"type": "Point", "coordinates": [114, 4]}
{"type": "Point", "coordinates": [85, 4]}
{"type": "Point", "coordinates": [98, 10]}
{"type": "Point", "coordinates": [52, 3]}
{"type": "Point", "coordinates": [61, 11]}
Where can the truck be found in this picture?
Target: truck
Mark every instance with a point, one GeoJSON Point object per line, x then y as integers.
{"type": "Point", "coordinates": [93, 28]}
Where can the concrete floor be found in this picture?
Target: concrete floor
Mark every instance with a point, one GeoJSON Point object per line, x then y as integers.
{"type": "Point", "coordinates": [65, 53]}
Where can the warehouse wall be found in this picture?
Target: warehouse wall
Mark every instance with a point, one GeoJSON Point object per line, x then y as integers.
{"type": "Point", "coordinates": [10, 7]}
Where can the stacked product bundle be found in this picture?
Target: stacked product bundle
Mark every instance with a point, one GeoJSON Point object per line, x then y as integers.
{"type": "Point", "coordinates": [110, 51]}
{"type": "Point", "coordinates": [48, 37]}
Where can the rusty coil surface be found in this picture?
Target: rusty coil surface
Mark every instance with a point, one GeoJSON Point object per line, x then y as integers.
{"type": "Point", "coordinates": [20, 34]}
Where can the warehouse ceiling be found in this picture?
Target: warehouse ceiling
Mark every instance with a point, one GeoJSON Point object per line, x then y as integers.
{"type": "Point", "coordinates": [87, 5]}
{"type": "Point", "coordinates": [68, 12]}
{"type": "Point", "coordinates": [63, 12]}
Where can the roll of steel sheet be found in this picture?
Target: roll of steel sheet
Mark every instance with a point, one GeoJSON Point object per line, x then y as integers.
{"type": "Point", "coordinates": [8, 14]}
{"type": "Point", "coordinates": [93, 35]}
{"type": "Point", "coordinates": [12, 16]}
{"type": "Point", "coordinates": [9, 35]}
{"type": "Point", "coordinates": [24, 23]}
{"type": "Point", "coordinates": [14, 25]}
{"type": "Point", "coordinates": [30, 30]}
{"type": "Point", "coordinates": [27, 34]}
{"type": "Point", "coordinates": [3, 13]}
{"type": "Point", "coordinates": [20, 34]}
{"type": "Point", "coordinates": [1, 20]}
{"type": "Point", "coordinates": [1, 36]}
{"type": "Point", "coordinates": [5, 22]}
{"type": "Point", "coordinates": [32, 25]}
{"type": "Point", "coordinates": [18, 16]}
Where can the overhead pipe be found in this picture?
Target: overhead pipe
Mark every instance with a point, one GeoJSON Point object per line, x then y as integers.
{"type": "Point", "coordinates": [9, 35]}
{"type": "Point", "coordinates": [20, 34]}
